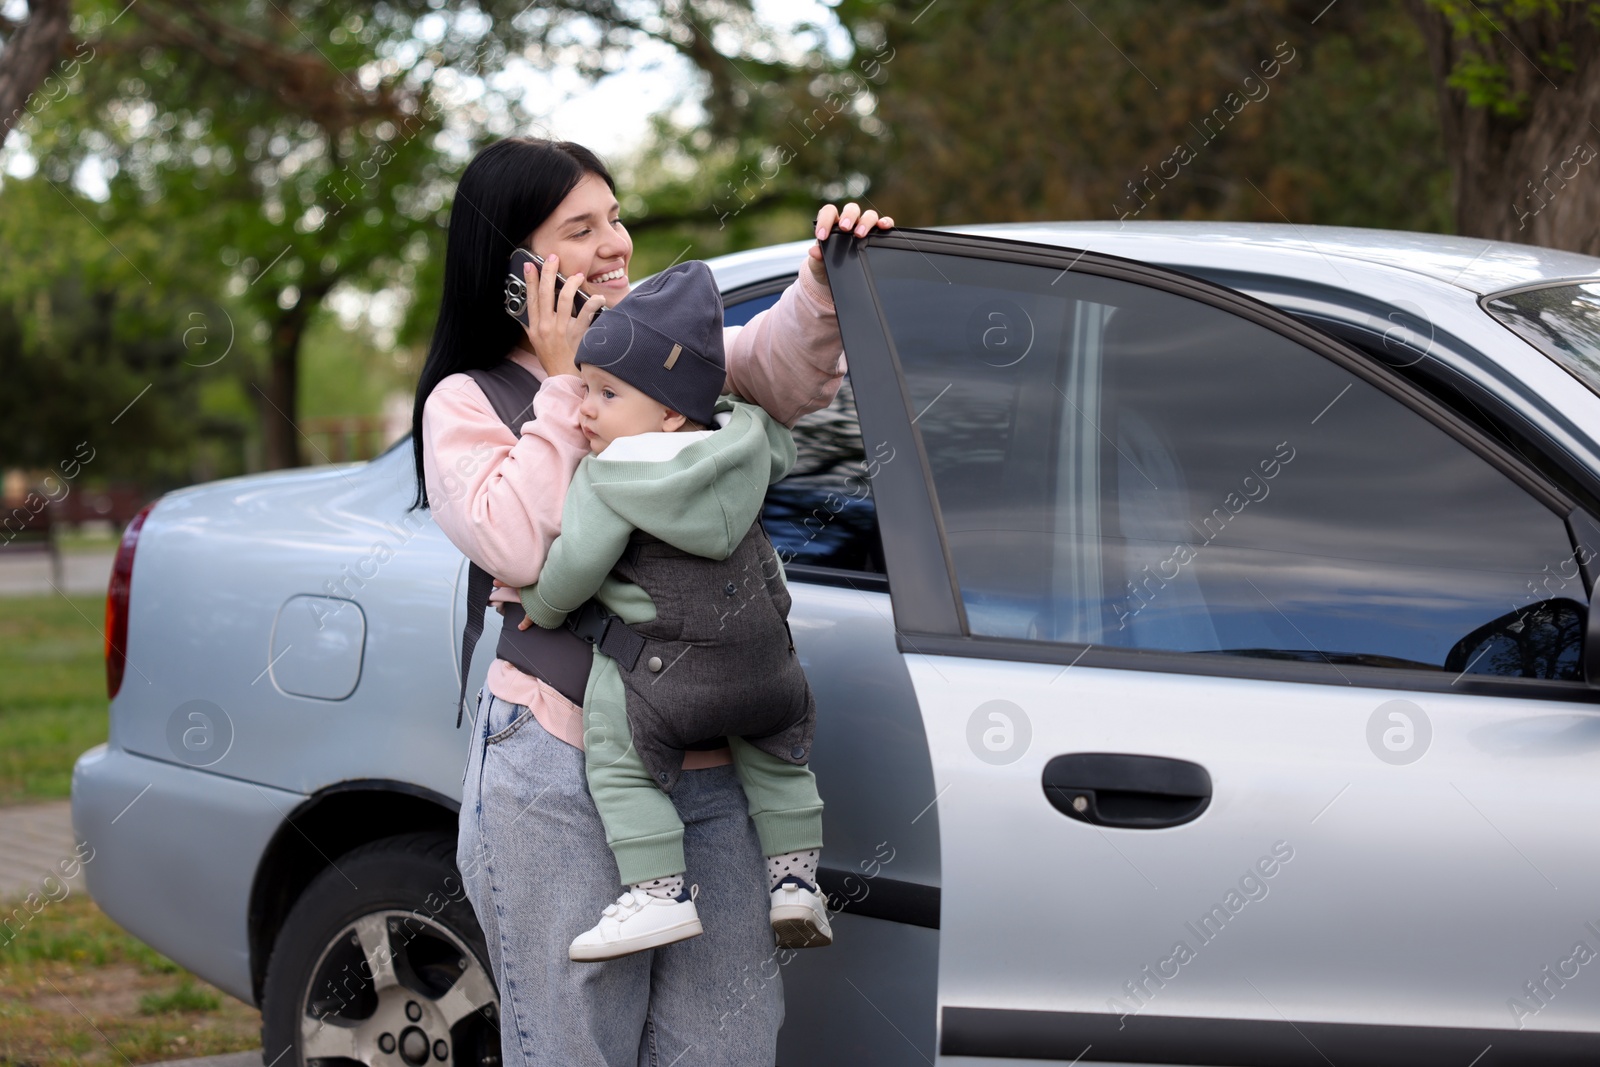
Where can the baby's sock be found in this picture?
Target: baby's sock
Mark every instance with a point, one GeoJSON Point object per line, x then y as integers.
{"type": "Point", "coordinates": [801, 865]}
{"type": "Point", "coordinates": [668, 888]}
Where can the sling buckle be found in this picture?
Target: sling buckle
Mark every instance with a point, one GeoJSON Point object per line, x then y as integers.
{"type": "Point", "coordinates": [607, 633]}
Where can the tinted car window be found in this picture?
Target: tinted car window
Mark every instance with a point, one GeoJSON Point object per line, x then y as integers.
{"type": "Point", "coordinates": [1562, 321]}
{"type": "Point", "coordinates": [745, 310]}
{"type": "Point", "coordinates": [822, 513]}
{"type": "Point", "coordinates": [1120, 466]}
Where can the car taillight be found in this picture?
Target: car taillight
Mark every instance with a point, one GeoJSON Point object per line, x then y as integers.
{"type": "Point", "coordinates": [117, 604]}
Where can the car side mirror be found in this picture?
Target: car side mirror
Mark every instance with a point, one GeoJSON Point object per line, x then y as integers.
{"type": "Point", "coordinates": [1542, 640]}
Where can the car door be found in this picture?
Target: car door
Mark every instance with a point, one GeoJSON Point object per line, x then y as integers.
{"type": "Point", "coordinates": [1252, 680]}
{"type": "Point", "coordinates": [870, 998]}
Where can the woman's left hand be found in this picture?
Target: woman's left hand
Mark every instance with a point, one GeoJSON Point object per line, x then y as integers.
{"type": "Point", "coordinates": [851, 219]}
{"type": "Point", "coordinates": [526, 622]}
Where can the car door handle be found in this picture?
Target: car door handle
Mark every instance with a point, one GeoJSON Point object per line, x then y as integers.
{"type": "Point", "coordinates": [1131, 792]}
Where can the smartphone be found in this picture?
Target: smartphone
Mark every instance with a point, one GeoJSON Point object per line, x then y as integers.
{"type": "Point", "coordinates": [517, 287]}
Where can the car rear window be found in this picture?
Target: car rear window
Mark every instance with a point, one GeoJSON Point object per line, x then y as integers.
{"type": "Point", "coordinates": [1562, 321]}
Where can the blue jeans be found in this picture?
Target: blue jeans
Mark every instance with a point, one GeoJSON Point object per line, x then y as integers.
{"type": "Point", "coordinates": [535, 865]}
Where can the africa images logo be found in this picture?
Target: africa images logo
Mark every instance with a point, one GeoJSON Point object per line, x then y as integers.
{"type": "Point", "coordinates": [998, 732]}
{"type": "Point", "coordinates": [1398, 732]}
{"type": "Point", "coordinates": [199, 733]}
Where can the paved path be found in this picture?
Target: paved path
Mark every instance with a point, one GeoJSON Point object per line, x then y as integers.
{"type": "Point", "coordinates": [34, 840]}
{"type": "Point", "coordinates": [28, 573]}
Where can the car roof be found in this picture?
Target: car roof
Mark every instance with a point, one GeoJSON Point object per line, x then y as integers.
{"type": "Point", "coordinates": [1472, 264]}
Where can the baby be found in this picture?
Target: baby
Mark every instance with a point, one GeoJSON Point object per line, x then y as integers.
{"type": "Point", "coordinates": [691, 629]}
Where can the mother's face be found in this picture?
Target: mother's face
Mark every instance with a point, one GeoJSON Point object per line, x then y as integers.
{"type": "Point", "coordinates": [586, 236]}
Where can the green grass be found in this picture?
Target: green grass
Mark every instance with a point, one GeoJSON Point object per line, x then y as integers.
{"type": "Point", "coordinates": [186, 996]}
{"type": "Point", "coordinates": [76, 990]}
{"type": "Point", "coordinates": [69, 929]}
{"type": "Point", "coordinates": [52, 692]}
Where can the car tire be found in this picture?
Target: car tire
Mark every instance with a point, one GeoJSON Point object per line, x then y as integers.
{"type": "Point", "coordinates": [381, 959]}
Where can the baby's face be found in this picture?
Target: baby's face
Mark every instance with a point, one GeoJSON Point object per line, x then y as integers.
{"type": "Point", "coordinates": [611, 408]}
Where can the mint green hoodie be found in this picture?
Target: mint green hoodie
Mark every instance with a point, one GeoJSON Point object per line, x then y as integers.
{"type": "Point", "coordinates": [698, 491]}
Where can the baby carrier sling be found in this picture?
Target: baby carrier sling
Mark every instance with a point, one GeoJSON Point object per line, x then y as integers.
{"type": "Point", "coordinates": [720, 660]}
{"type": "Point", "coordinates": [745, 680]}
{"type": "Point", "coordinates": [561, 658]}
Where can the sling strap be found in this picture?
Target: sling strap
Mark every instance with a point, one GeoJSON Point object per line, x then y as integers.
{"type": "Point", "coordinates": [479, 583]}
{"type": "Point", "coordinates": [560, 658]}
{"type": "Point", "coordinates": [510, 390]}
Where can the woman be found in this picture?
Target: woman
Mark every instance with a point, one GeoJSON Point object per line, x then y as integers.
{"type": "Point", "coordinates": [532, 850]}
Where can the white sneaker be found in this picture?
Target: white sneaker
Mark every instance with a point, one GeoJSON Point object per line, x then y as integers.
{"type": "Point", "coordinates": [637, 921]}
{"type": "Point", "coordinates": [800, 916]}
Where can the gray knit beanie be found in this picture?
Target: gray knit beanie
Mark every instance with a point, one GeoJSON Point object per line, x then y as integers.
{"type": "Point", "coordinates": [665, 339]}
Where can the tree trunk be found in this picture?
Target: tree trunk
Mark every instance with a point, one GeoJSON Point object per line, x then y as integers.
{"type": "Point", "coordinates": [1532, 174]}
{"type": "Point", "coordinates": [28, 57]}
{"type": "Point", "coordinates": [279, 400]}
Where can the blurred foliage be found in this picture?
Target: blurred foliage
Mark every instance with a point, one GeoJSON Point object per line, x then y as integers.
{"type": "Point", "coordinates": [82, 336]}
{"type": "Point", "coordinates": [1495, 33]}
{"type": "Point", "coordinates": [261, 160]}
{"type": "Point", "coordinates": [1358, 142]}
{"type": "Point", "coordinates": [289, 175]}
{"type": "Point", "coordinates": [1517, 83]}
{"type": "Point", "coordinates": [1051, 111]}
{"type": "Point", "coordinates": [255, 160]}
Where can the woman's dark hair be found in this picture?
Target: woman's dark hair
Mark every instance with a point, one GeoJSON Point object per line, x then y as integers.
{"type": "Point", "coordinates": [505, 193]}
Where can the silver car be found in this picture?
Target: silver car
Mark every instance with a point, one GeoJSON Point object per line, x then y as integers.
{"type": "Point", "coordinates": [1198, 616]}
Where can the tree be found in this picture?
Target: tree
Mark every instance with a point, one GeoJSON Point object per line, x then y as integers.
{"type": "Point", "coordinates": [297, 165]}
{"type": "Point", "coordinates": [92, 357]}
{"type": "Point", "coordinates": [1227, 110]}
{"type": "Point", "coordinates": [305, 144]}
{"type": "Point", "coordinates": [268, 155]}
{"type": "Point", "coordinates": [31, 49]}
{"type": "Point", "coordinates": [1518, 81]}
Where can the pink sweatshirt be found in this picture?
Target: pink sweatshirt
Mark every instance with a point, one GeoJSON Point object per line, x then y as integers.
{"type": "Point", "coordinates": [499, 498]}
